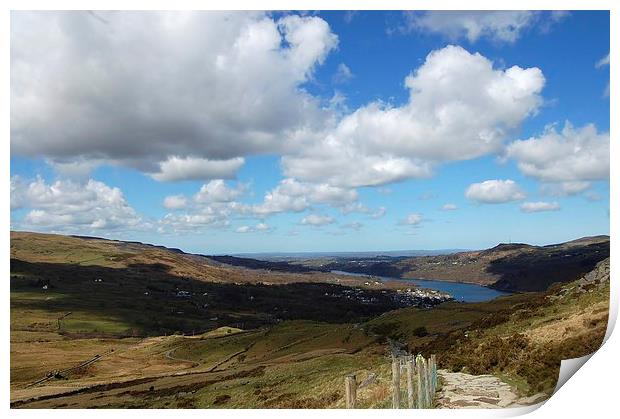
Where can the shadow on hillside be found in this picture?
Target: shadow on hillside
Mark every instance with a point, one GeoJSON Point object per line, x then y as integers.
{"type": "Point", "coordinates": [149, 300]}
{"type": "Point", "coordinates": [536, 271]}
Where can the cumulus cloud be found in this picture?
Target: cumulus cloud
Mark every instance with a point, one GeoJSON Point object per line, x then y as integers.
{"type": "Point", "coordinates": [459, 108]}
{"type": "Point", "coordinates": [539, 206]}
{"type": "Point", "coordinates": [190, 95]}
{"type": "Point", "coordinates": [213, 205]}
{"type": "Point", "coordinates": [179, 95]}
{"type": "Point", "coordinates": [212, 216]}
{"type": "Point", "coordinates": [218, 191]}
{"type": "Point", "coordinates": [317, 220]}
{"type": "Point", "coordinates": [412, 219]}
{"type": "Point", "coordinates": [79, 168]}
{"type": "Point", "coordinates": [500, 26]}
{"type": "Point", "coordinates": [570, 158]}
{"type": "Point", "coordinates": [69, 206]}
{"type": "Point", "coordinates": [495, 191]}
{"type": "Point", "coordinates": [192, 168]}
{"type": "Point", "coordinates": [565, 188]}
{"type": "Point", "coordinates": [292, 195]}
{"type": "Point", "coordinates": [215, 192]}
{"type": "Point", "coordinates": [175, 202]}
{"type": "Point", "coordinates": [217, 203]}
{"type": "Point", "coordinates": [449, 207]}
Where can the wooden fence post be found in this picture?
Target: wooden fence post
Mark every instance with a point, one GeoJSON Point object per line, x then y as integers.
{"type": "Point", "coordinates": [350, 389]}
{"type": "Point", "coordinates": [434, 371]}
{"type": "Point", "coordinates": [410, 368]}
{"type": "Point", "coordinates": [420, 372]}
{"type": "Point", "coordinates": [427, 383]}
{"type": "Point", "coordinates": [395, 383]}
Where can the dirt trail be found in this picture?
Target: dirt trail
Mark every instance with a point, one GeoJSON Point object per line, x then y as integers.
{"type": "Point", "coordinates": [461, 390]}
{"type": "Point", "coordinates": [169, 355]}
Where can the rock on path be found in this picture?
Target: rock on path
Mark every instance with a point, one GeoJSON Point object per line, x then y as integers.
{"type": "Point", "coordinates": [461, 390]}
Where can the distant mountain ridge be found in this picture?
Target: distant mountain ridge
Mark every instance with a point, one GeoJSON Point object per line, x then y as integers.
{"type": "Point", "coordinates": [507, 266]}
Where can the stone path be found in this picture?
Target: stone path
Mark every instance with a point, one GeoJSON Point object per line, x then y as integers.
{"type": "Point", "coordinates": [461, 390]}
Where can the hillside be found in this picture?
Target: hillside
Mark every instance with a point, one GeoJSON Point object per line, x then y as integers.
{"type": "Point", "coordinates": [506, 267]}
{"type": "Point", "coordinates": [98, 323]}
{"type": "Point", "coordinates": [514, 267]}
{"type": "Point", "coordinates": [521, 338]}
{"type": "Point", "coordinates": [129, 289]}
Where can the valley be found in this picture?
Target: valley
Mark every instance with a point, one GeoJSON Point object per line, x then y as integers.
{"type": "Point", "coordinates": [99, 323]}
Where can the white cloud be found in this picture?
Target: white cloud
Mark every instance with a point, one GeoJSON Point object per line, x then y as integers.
{"type": "Point", "coordinates": [213, 197]}
{"type": "Point", "coordinates": [495, 191]}
{"type": "Point", "coordinates": [379, 213]}
{"type": "Point", "coordinates": [295, 196]}
{"type": "Point", "coordinates": [212, 206]}
{"type": "Point", "coordinates": [504, 26]}
{"type": "Point", "coordinates": [79, 168]}
{"type": "Point", "coordinates": [317, 220]}
{"type": "Point", "coordinates": [210, 216]}
{"type": "Point", "coordinates": [358, 207]}
{"type": "Point", "coordinates": [192, 168]}
{"type": "Point", "coordinates": [559, 15]}
{"type": "Point", "coordinates": [539, 206]}
{"type": "Point", "coordinates": [343, 74]}
{"type": "Point", "coordinates": [349, 15]}
{"type": "Point", "coordinates": [347, 166]}
{"type": "Point", "coordinates": [459, 108]}
{"type": "Point", "coordinates": [602, 62]}
{"type": "Point", "coordinates": [412, 219]}
{"type": "Point", "coordinates": [70, 206]}
{"type": "Point", "coordinates": [179, 95]}
{"type": "Point", "coordinates": [218, 191]}
{"type": "Point", "coordinates": [356, 225]}
{"type": "Point", "coordinates": [18, 189]}
{"type": "Point", "coordinates": [260, 227]}
{"type": "Point", "coordinates": [175, 202]}
{"type": "Point", "coordinates": [606, 91]}
{"type": "Point", "coordinates": [355, 207]}
{"type": "Point", "coordinates": [449, 207]}
{"type": "Point", "coordinates": [571, 157]}
{"type": "Point", "coordinates": [565, 188]}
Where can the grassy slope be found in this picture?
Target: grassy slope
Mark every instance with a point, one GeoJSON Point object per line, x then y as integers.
{"type": "Point", "coordinates": [297, 363]}
{"type": "Point", "coordinates": [105, 315]}
{"type": "Point", "coordinates": [118, 289]}
{"type": "Point", "coordinates": [521, 338]}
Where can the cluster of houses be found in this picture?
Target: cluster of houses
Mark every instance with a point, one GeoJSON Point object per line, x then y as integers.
{"type": "Point", "coordinates": [353, 294]}
{"type": "Point", "coordinates": [403, 297]}
{"type": "Point", "coordinates": [421, 296]}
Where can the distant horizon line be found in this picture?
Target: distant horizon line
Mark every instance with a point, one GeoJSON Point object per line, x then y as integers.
{"type": "Point", "coordinates": [420, 252]}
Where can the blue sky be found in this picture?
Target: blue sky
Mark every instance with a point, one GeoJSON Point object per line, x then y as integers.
{"type": "Point", "coordinates": [448, 144]}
